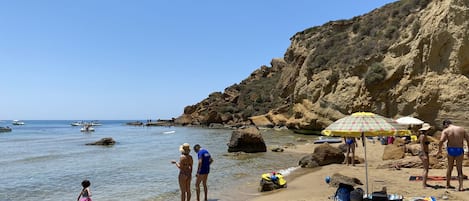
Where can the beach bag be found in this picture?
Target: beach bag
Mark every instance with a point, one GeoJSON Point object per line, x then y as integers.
{"type": "Point", "coordinates": [343, 192]}
{"type": "Point", "coordinates": [356, 195]}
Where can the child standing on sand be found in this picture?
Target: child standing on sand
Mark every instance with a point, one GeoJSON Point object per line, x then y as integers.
{"type": "Point", "coordinates": [85, 194]}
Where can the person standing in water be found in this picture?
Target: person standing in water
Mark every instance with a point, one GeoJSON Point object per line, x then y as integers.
{"type": "Point", "coordinates": [423, 155]}
{"type": "Point", "coordinates": [205, 159]}
{"type": "Point", "coordinates": [185, 171]}
{"type": "Point", "coordinates": [455, 135]}
{"type": "Point", "coordinates": [85, 193]}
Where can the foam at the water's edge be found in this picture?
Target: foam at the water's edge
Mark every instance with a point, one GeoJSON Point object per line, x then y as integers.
{"type": "Point", "coordinates": [288, 171]}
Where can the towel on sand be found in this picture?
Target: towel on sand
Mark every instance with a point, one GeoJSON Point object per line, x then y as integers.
{"type": "Point", "coordinates": [434, 178]}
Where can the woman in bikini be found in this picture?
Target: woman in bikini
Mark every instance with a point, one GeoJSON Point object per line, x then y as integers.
{"type": "Point", "coordinates": [351, 144]}
{"type": "Point", "coordinates": [185, 171]}
{"type": "Point", "coordinates": [423, 155]}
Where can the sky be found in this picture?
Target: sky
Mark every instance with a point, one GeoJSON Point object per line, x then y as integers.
{"type": "Point", "coordinates": [144, 59]}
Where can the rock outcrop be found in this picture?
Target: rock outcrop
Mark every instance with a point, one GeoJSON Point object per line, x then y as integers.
{"type": "Point", "coordinates": [247, 140]}
{"type": "Point", "coordinates": [406, 58]}
{"type": "Point", "coordinates": [323, 154]}
{"type": "Point", "coordinates": [104, 142]}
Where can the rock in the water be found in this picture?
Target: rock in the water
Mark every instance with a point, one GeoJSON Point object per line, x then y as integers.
{"type": "Point", "coordinates": [247, 140]}
{"type": "Point", "coordinates": [104, 141]}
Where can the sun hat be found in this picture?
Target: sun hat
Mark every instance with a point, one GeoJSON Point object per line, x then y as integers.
{"type": "Point", "coordinates": [185, 148]}
{"type": "Point", "coordinates": [425, 127]}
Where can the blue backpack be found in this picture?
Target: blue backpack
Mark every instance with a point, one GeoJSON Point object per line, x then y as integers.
{"type": "Point", "coordinates": [343, 192]}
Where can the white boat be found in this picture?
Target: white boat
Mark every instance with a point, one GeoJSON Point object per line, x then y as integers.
{"type": "Point", "coordinates": [95, 123]}
{"type": "Point", "coordinates": [77, 123]}
{"type": "Point", "coordinates": [17, 122]}
{"type": "Point", "coordinates": [87, 128]}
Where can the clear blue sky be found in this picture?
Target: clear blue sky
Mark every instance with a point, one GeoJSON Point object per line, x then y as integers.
{"type": "Point", "coordinates": [111, 59]}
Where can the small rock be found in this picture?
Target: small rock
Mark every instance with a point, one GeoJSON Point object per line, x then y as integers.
{"type": "Point", "coordinates": [104, 141]}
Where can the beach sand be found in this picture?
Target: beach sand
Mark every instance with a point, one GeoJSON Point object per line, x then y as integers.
{"type": "Point", "coordinates": [312, 187]}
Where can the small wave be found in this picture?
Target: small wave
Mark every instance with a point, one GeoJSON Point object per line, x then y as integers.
{"type": "Point", "coordinates": [169, 132]}
{"type": "Point", "coordinates": [288, 171]}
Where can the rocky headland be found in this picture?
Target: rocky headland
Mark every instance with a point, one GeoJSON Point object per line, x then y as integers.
{"type": "Point", "coordinates": [410, 57]}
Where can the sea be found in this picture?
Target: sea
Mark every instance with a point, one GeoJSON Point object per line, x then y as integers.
{"type": "Point", "coordinates": [48, 160]}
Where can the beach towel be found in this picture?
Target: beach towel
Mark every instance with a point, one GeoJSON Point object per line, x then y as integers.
{"type": "Point", "coordinates": [434, 178]}
{"type": "Point", "coordinates": [431, 198]}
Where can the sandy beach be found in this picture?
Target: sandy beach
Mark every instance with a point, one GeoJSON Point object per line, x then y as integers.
{"type": "Point", "coordinates": [312, 186]}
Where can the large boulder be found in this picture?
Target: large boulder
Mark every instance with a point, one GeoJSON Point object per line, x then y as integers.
{"type": "Point", "coordinates": [393, 152]}
{"type": "Point", "coordinates": [324, 154]}
{"type": "Point", "coordinates": [104, 141]}
{"type": "Point", "coordinates": [247, 140]}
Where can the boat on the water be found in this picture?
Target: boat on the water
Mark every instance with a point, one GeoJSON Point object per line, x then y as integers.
{"type": "Point", "coordinates": [5, 129]}
{"type": "Point", "coordinates": [95, 123]}
{"type": "Point", "coordinates": [329, 140]}
{"type": "Point", "coordinates": [77, 123]}
{"type": "Point", "coordinates": [17, 122]}
{"type": "Point", "coordinates": [87, 128]}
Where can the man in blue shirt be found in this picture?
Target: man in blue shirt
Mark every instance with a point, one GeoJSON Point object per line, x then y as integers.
{"type": "Point", "coordinates": [203, 169]}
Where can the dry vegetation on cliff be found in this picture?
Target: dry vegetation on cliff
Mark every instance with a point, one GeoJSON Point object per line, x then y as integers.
{"type": "Point", "coordinates": [406, 58]}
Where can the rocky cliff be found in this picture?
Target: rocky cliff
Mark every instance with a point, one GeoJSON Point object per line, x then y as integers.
{"type": "Point", "coordinates": [410, 57]}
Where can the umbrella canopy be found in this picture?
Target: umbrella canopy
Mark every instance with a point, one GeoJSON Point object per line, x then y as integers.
{"type": "Point", "coordinates": [364, 124]}
{"type": "Point", "coordinates": [409, 121]}
{"type": "Point", "coordinates": [367, 123]}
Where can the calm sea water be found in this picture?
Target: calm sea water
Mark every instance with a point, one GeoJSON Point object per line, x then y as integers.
{"type": "Point", "coordinates": [47, 160]}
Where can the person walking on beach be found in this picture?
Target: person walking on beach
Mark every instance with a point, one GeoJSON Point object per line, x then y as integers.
{"type": "Point", "coordinates": [85, 193]}
{"type": "Point", "coordinates": [185, 171]}
{"type": "Point", "coordinates": [351, 144]}
{"type": "Point", "coordinates": [455, 135]}
{"type": "Point", "coordinates": [202, 170]}
{"type": "Point", "coordinates": [423, 155]}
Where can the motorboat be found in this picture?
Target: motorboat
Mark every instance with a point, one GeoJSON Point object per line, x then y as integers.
{"type": "Point", "coordinates": [95, 123]}
{"type": "Point", "coordinates": [17, 122]}
{"type": "Point", "coordinates": [5, 129]}
{"type": "Point", "coordinates": [77, 123]}
{"type": "Point", "coordinates": [87, 128]}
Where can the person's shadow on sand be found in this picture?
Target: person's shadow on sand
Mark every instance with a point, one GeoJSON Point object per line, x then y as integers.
{"type": "Point", "coordinates": [444, 187]}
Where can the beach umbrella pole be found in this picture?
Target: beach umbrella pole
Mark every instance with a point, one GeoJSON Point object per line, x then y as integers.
{"type": "Point", "coordinates": [366, 162]}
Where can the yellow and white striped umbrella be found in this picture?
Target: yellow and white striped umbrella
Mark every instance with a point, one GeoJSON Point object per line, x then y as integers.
{"type": "Point", "coordinates": [367, 124]}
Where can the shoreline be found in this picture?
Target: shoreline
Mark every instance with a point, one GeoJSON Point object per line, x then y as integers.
{"type": "Point", "coordinates": [310, 185]}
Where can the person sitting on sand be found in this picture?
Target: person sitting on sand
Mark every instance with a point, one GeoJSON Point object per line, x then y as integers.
{"type": "Point", "coordinates": [455, 135]}
{"type": "Point", "coordinates": [423, 155]}
{"type": "Point", "coordinates": [351, 144]}
{"type": "Point", "coordinates": [185, 171]}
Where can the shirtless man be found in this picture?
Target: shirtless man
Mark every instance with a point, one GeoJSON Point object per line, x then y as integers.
{"type": "Point", "coordinates": [455, 135]}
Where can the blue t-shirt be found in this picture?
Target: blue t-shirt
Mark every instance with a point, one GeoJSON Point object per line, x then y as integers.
{"type": "Point", "coordinates": [205, 156]}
